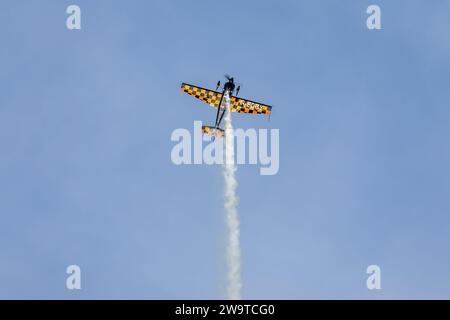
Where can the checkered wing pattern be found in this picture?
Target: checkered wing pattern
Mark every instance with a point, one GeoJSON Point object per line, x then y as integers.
{"type": "Point", "coordinates": [247, 106]}
{"type": "Point", "coordinates": [209, 96]}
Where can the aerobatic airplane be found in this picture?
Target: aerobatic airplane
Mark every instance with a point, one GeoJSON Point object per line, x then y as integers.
{"type": "Point", "coordinates": [215, 99]}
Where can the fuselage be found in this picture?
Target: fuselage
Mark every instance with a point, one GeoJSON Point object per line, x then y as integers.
{"type": "Point", "coordinates": [229, 86]}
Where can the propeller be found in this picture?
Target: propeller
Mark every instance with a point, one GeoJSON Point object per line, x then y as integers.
{"type": "Point", "coordinates": [228, 77]}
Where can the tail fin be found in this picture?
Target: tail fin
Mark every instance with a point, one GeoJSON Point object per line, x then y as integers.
{"type": "Point", "coordinates": [212, 131]}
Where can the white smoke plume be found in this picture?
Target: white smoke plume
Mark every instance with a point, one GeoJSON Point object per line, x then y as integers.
{"type": "Point", "coordinates": [233, 250]}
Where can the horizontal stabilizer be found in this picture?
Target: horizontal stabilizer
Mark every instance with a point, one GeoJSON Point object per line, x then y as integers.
{"type": "Point", "coordinates": [212, 131]}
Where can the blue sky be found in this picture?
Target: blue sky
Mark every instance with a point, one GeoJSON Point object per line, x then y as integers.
{"type": "Point", "coordinates": [85, 170]}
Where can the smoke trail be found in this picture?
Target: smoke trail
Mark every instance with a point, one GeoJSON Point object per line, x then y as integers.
{"type": "Point", "coordinates": [233, 254]}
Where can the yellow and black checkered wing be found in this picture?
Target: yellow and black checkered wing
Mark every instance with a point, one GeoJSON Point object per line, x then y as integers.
{"type": "Point", "coordinates": [247, 106]}
{"type": "Point", "coordinates": [209, 96]}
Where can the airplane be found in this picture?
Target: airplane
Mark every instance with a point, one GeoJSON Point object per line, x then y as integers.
{"type": "Point", "coordinates": [215, 99]}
